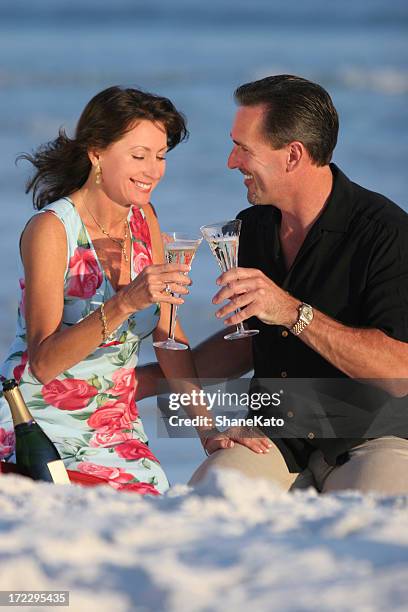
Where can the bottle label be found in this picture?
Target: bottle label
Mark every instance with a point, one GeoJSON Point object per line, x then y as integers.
{"type": "Point", "coordinates": [58, 472]}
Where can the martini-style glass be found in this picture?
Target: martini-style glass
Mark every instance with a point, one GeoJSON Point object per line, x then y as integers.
{"type": "Point", "coordinates": [223, 238]}
{"type": "Point", "coordinates": [179, 248]}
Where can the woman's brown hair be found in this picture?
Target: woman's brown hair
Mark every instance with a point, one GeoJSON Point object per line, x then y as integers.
{"type": "Point", "coordinates": [62, 166]}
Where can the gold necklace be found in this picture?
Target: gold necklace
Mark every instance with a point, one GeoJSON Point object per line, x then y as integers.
{"type": "Point", "coordinates": [120, 241]}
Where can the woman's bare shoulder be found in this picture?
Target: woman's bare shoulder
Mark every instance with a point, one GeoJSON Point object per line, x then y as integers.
{"type": "Point", "coordinates": [43, 222]}
{"type": "Point", "coordinates": [44, 232]}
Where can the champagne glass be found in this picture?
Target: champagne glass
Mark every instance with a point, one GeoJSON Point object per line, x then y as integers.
{"type": "Point", "coordinates": [178, 248]}
{"type": "Point", "coordinates": [223, 238]}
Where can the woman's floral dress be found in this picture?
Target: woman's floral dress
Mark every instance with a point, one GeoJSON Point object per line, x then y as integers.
{"type": "Point", "coordinates": [89, 411]}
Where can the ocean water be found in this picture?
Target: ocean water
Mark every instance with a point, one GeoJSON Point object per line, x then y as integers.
{"type": "Point", "coordinates": [54, 56]}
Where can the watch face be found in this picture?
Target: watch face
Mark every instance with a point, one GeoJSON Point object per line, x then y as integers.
{"type": "Point", "coordinates": [306, 313]}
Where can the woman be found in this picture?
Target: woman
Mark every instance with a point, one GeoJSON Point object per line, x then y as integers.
{"type": "Point", "coordinates": [95, 284]}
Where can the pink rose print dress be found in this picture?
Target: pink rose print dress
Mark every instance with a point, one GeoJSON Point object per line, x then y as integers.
{"type": "Point", "coordinates": [89, 411]}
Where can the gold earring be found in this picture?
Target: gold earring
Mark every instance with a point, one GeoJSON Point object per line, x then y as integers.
{"type": "Point", "coordinates": [98, 174]}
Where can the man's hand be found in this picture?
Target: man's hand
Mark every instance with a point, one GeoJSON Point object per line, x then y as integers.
{"type": "Point", "coordinates": [247, 436]}
{"type": "Point", "coordinates": [257, 296]}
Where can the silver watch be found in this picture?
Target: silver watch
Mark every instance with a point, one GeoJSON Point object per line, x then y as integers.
{"type": "Point", "coordinates": [305, 317]}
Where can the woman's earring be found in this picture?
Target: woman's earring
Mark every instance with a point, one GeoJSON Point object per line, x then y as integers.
{"type": "Point", "coordinates": [98, 174]}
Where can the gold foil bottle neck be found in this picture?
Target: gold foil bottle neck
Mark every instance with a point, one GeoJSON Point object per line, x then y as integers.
{"type": "Point", "coordinates": [19, 410]}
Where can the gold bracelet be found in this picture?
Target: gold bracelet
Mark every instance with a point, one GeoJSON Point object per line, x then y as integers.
{"type": "Point", "coordinates": [105, 332]}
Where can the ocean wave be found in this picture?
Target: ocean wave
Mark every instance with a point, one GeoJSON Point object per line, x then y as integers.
{"type": "Point", "coordinates": [389, 80]}
{"type": "Point", "coordinates": [224, 13]}
{"type": "Point", "coordinates": [380, 79]}
{"type": "Point", "coordinates": [69, 78]}
{"type": "Point", "coordinates": [384, 80]}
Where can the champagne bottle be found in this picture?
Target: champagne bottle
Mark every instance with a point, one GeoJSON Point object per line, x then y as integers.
{"type": "Point", "coordinates": [36, 455]}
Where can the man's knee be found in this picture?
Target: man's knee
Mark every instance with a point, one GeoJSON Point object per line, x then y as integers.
{"type": "Point", "coordinates": [379, 465]}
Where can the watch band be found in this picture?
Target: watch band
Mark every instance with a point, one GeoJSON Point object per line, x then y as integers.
{"type": "Point", "coordinates": [298, 327]}
{"type": "Point", "coordinates": [305, 317]}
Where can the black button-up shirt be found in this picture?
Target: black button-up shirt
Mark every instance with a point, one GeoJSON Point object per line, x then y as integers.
{"type": "Point", "coordinates": [352, 266]}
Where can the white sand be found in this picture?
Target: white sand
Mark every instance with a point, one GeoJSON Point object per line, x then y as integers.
{"type": "Point", "coordinates": [229, 545]}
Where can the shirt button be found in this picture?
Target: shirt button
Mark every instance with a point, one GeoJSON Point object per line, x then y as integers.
{"type": "Point", "coordinates": [310, 435]}
{"type": "Point", "coordinates": [285, 333]}
{"type": "Point", "coordinates": [284, 374]}
{"type": "Point", "coordinates": [290, 414]}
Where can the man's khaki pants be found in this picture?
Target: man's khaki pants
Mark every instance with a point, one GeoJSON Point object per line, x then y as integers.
{"type": "Point", "coordinates": [379, 465]}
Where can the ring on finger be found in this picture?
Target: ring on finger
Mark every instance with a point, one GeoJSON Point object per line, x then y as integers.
{"type": "Point", "coordinates": [167, 288]}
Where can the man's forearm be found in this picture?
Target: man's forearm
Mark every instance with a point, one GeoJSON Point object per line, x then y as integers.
{"type": "Point", "coordinates": [360, 353]}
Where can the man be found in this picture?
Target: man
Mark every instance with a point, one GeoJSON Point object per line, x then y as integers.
{"type": "Point", "coordinates": [324, 269]}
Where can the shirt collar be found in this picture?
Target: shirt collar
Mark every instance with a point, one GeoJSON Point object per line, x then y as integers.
{"type": "Point", "coordinates": [337, 213]}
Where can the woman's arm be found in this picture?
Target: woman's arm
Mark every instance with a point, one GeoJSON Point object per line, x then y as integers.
{"type": "Point", "coordinates": [213, 358]}
{"type": "Point", "coordinates": [51, 350]}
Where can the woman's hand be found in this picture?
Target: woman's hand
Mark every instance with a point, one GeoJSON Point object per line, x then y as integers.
{"type": "Point", "coordinates": [156, 283]}
{"type": "Point", "coordinates": [250, 437]}
{"type": "Point", "coordinates": [215, 441]}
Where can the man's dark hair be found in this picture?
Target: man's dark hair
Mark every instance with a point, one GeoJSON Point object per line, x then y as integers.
{"type": "Point", "coordinates": [296, 109]}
